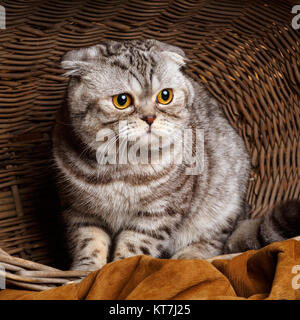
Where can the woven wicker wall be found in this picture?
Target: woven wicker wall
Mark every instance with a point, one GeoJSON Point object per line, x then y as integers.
{"type": "Point", "coordinates": [245, 53]}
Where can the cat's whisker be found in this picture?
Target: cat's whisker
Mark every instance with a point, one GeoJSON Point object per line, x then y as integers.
{"type": "Point", "coordinates": [122, 148]}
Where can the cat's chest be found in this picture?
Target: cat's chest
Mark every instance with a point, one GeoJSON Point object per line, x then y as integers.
{"type": "Point", "coordinates": [120, 203]}
{"type": "Point", "coordinates": [120, 200]}
{"type": "Point", "coordinates": [121, 196]}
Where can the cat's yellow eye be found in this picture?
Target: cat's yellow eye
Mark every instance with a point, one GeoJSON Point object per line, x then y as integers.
{"type": "Point", "coordinates": [165, 96]}
{"type": "Point", "coordinates": [122, 101]}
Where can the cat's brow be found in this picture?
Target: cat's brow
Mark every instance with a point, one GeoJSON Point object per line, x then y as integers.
{"type": "Point", "coordinates": [136, 85]}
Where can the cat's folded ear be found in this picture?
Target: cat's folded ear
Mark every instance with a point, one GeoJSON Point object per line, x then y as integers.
{"type": "Point", "coordinates": [77, 62]}
{"type": "Point", "coordinates": [174, 53]}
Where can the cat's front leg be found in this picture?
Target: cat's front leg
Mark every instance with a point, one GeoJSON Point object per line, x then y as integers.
{"type": "Point", "coordinates": [131, 243]}
{"type": "Point", "coordinates": [88, 243]}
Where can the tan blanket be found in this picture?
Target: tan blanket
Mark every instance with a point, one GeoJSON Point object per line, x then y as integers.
{"type": "Point", "coordinates": [269, 273]}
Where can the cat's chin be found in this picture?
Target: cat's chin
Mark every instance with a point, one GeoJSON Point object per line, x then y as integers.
{"type": "Point", "coordinates": [153, 141]}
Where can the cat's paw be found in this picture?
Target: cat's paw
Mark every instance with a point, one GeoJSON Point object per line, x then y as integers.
{"type": "Point", "coordinates": [120, 256]}
{"type": "Point", "coordinates": [240, 245]}
{"type": "Point", "coordinates": [244, 237]}
{"type": "Point", "coordinates": [188, 253]}
{"type": "Point", "coordinates": [86, 266]}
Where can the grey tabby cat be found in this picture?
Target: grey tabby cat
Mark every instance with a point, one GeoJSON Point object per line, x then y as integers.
{"type": "Point", "coordinates": [114, 211]}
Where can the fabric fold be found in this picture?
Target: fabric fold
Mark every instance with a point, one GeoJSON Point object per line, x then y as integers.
{"type": "Point", "coordinates": [268, 273]}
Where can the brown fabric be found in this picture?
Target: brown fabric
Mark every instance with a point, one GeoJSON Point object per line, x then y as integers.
{"type": "Point", "coordinates": [263, 274]}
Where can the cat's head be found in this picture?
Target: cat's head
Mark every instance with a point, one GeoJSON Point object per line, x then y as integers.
{"type": "Point", "coordinates": [139, 84]}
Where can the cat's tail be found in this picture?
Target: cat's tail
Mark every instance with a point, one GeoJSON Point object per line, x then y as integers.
{"type": "Point", "coordinates": [280, 223]}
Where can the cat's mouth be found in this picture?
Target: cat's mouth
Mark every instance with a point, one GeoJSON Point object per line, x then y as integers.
{"type": "Point", "coordinates": [147, 137]}
{"type": "Point", "coordinates": [154, 140]}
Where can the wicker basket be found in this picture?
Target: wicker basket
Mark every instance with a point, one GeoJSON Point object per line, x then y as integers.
{"type": "Point", "coordinates": [245, 52]}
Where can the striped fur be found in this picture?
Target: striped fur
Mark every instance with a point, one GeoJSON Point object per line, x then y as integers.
{"type": "Point", "coordinates": [121, 210]}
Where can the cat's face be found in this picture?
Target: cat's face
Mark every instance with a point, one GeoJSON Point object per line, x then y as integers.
{"type": "Point", "coordinates": [135, 89]}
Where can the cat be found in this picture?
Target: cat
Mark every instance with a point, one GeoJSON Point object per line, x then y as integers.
{"type": "Point", "coordinates": [162, 209]}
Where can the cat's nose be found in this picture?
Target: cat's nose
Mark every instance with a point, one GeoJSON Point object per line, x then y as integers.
{"type": "Point", "coordinates": [149, 119]}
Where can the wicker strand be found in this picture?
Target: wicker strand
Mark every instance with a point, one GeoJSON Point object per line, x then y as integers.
{"type": "Point", "coordinates": [30, 275]}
